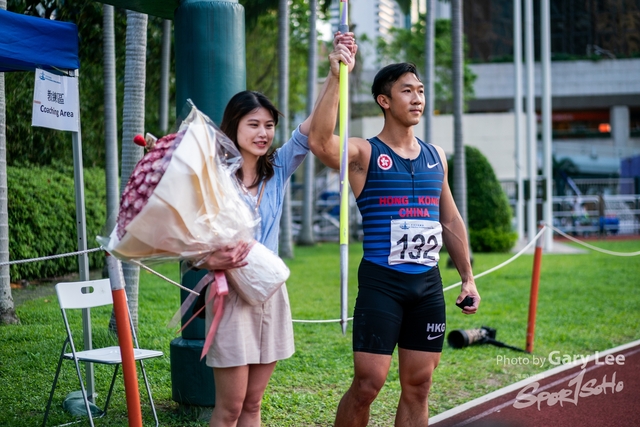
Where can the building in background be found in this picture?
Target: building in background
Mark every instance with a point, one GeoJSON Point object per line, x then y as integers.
{"type": "Point", "coordinates": [595, 76]}
{"type": "Point", "coordinates": [595, 89]}
{"type": "Point", "coordinates": [595, 48]}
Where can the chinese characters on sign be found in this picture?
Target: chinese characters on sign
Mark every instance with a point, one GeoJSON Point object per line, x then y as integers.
{"type": "Point", "coordinates": [55, 102]}
{"type": "Point", "coordinates": [56, 97]}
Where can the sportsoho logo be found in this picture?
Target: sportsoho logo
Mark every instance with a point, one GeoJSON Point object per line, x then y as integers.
{"type": "Point", "coordinates": [578, 386]}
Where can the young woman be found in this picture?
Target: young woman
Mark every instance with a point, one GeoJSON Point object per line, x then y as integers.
{"type": "Point", "coordinates": [251, 339]}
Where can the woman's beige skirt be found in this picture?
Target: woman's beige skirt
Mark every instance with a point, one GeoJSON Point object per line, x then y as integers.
{"type": "Point", "coordinates": [252, 334]}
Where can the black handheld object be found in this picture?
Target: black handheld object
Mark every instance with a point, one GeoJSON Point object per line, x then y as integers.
{"type": "Point", "coordinates": [466, 302]}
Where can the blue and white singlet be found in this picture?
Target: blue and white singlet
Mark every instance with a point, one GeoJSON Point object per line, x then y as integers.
{"type": "Point", "coordinates": [400, 207]}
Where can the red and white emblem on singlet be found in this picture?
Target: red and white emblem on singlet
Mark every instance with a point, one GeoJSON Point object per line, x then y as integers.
{"type": "Point", "coordinates": [384, 162]}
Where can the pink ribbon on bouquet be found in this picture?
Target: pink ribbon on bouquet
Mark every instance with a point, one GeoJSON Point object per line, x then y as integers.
{"type": "Point", "coordinates": [216, 294]}
{"type": "Point", "coordinates": [188, 301]}
{"type": "Point", "coordinates": [220, 289]}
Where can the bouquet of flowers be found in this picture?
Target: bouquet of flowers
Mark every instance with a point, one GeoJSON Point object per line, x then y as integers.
{"type": "Point", "coordinates": [183, 202]}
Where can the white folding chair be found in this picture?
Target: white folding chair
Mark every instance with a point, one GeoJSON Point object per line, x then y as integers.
{"type": "Point", "coordinates": [90, 294]}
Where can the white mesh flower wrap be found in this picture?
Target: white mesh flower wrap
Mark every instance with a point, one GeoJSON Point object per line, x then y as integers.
{"type": "Point", "coordinates": [183, 202]}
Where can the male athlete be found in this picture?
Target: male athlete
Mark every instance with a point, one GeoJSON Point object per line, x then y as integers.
{"type": "Point", "coordinates": [408, 212]}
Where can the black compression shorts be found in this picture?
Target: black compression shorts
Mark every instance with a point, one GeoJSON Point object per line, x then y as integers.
{"type": "Point", "coordinates": [398, 308]}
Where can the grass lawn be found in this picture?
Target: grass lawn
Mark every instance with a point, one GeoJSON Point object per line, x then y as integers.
{"type": "Point", "coordinates": [587, 302]}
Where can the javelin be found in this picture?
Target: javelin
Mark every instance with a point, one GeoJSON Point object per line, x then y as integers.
{"type": "Point", "coordinates": [344, 173]}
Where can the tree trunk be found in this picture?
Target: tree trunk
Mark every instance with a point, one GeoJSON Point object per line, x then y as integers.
{"type": "Point", "coordinates": [306, 236]}
{"type": "Point", "coordinates": [7, 309]}
{"type": "Point", "coordinates": [133, 124]}
{"type": "Point", "coordinates": [460, 179]}
{"type": "Point", "coordinates": [110, 116]}
{"type": "Point", "coordinates": [164, 76]}
{"type": "Point", "coordinates": [286, 242]}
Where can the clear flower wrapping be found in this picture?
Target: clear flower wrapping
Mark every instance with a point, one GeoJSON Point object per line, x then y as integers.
{"type": "Point", "coordinates": [182, 202]}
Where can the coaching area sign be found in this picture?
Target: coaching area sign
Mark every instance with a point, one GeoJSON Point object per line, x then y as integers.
{"type": "Point", "coordinates": [55, 102]}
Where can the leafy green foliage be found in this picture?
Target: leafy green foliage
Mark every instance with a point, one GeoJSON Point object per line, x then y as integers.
{"type": "Point", "coordinates": [491, 240]}
{"type": "Point", "coordinates": [42, 219]}
{"type": "Point", "coordinates": [254, 9]}
{"type": "Point", "coordinates": [262, 54]}
{"type": "Point", "coordinates": [487, 205]}
{"type": "Point", "coordinates": [408, 45]}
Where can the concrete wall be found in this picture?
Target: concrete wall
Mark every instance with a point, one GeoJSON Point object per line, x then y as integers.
{"type": "Point", "coordinates": [568, 78]}
{"type": "Point", "coordinates": [574, 84]}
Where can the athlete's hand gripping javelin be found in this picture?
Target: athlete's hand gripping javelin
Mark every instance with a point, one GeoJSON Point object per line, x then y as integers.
{"type": "Point", "coordinates": [344, 50]}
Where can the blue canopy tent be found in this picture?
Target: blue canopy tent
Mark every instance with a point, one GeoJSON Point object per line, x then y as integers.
{"type": "Point", "coordinates": [28, 43]}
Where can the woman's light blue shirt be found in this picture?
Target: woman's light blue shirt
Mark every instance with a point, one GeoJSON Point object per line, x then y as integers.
{"type": "Point", "coordinates": [286, 161]}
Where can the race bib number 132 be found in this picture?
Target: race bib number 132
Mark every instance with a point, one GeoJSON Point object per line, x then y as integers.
{"type": "Point", "coordinates": [417, 241]}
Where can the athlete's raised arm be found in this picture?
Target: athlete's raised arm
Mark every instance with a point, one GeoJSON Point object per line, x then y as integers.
{"type": "Point", "coordinates": [342, 47]}
{"type": "Point", "coordinates": [322, 141]}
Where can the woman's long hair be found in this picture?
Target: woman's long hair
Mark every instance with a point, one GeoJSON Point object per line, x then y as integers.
{"type": "Point", "coordinates": [239, 106]}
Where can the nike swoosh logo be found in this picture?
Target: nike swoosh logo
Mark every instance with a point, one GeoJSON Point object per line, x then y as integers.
{"type": "Point", "coordinates": [429, 337]}
{"type": "Point", "coordinates": [431, 166]}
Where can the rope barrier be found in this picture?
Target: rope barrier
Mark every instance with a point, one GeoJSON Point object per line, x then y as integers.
{"type": "Point", "coordinates": [604, 251]}
{"type": "Point", "coordinates": [184, 288]}
{"type": "Point", "coordinates": [513, 258]}
{"type": "Point", "coordinates": [320, 321]}
{"type": "Point", "coordinates": [477, 276]}
{"type": "Point", "coordinates": [45, 258]}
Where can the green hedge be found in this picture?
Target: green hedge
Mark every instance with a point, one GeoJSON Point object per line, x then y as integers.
{"type": "Point", "coordinates": [487, 205]}
{"type": "Point", "coordinates": [42, 219]}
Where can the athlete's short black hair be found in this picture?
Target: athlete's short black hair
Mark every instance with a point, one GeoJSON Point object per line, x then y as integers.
{"type": "Point", "coordinates": [387, 76]}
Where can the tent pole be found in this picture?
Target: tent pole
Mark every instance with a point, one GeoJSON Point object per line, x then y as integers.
{"type": "Point", "coordinates": [83, 258]}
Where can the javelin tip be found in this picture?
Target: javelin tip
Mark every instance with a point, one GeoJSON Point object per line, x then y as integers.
{"type": "Point", "coordinates": [344, 21]}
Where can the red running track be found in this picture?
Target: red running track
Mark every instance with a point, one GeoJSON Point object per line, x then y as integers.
{"type": "Point", "coordinates": [603, 392]}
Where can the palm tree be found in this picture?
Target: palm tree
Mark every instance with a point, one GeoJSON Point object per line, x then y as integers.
{"type": "Point", "coordinates": [306, 236]}
{"type": "Point", "coordinates": [286, 242]}
{"type": "Point", "coordinates": [133, 124]}
{"type": "Point", "coordinates": [110, 119]}
{"type": "Point", "coordinates": [7, 309]}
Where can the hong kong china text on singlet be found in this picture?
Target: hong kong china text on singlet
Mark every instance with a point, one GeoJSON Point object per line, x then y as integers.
{"type": "Point", "coordinates": [400, 207]}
